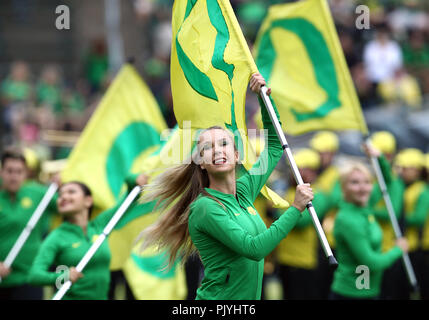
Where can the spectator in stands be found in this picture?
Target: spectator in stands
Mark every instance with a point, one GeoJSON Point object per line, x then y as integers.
{"type": "Point", "coordinates": [403, 88]}
{"type": "Point", "coordinates": [382, 56]}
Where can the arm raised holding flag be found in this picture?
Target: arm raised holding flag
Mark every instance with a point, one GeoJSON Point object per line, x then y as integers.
{"type": "Point", "coordinates": [204, 207]}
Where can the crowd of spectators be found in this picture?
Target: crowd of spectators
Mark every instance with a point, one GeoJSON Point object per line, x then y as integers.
{"type": "Point", "coordinates": [389, 64]}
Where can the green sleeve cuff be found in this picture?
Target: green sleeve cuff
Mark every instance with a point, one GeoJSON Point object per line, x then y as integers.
{"type": "Point", "coordinates": [396, 253]}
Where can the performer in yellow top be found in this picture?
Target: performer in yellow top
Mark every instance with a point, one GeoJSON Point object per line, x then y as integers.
{"type": "Point", "coordinates": [297, 255]}
{"type": "Point", "coordinates": [326, 144]}
{"type": "Point", "coordinates": [410, 165]}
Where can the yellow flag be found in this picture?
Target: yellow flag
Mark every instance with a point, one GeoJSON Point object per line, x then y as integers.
{"type": "Point", "coordinates": [299, 54]}
{"type": "Point", "coordinates": [124, 129]}
{"type": "Point", "coordinates": [210, 70]}
{"type": "Point", "coordinates": [147, 280]}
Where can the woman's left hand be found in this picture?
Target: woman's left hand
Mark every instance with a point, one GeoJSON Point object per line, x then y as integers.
{"type": "Point", "coordinates": [256, 82]}
{"type": "Point", "coordinates": [142, 179]}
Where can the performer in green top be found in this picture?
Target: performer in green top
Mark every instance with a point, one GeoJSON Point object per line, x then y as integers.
{"type": "Point", "coordinates": [65, 246]}
{"type": "Point", "coordinates": [18, 201]}
{"type": "Point", "coordinates": [206, 209]}
{"type": "Point", "coordinates": [359, 237]}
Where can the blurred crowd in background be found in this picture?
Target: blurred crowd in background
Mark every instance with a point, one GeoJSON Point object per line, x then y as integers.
{"type": "Point", "coordinates": [389, 64]}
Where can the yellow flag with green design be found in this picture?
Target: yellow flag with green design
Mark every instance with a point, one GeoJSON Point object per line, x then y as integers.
{"type": "Point", "coordinates": [147, 278]}
{"type": "Point", "coordinates": [299, 54]}
{"type": "Point", "coordinates": [123, 131]}
{"type": "Point", "coordinates": [211, 66]}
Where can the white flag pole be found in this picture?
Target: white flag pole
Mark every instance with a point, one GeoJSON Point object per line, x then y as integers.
{"type": "Point", "coordinates": [321, 234]}
{"type": "Point", "coordinates": [391, 211]}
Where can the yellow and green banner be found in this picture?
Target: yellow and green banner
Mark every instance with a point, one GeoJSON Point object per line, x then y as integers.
{"type": "Point", "coordinates": [147, 278]}
{"type": "Point", "coordinates": [211, 66]}
{"type": "Point", "coordinates": [123, 131]}
{"type": "Point", "coordinates": [121, 135]}
{"type": "Point", "coordinates": [298, 52]}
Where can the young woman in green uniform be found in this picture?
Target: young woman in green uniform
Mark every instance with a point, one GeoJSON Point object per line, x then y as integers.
{"type": "Point", "coordinates": [358, 240]}
{"type": "Point", "coordinates": [206, 209]}
{"type": "Point", "coordinates": [410, 165]}
{"type": "Point", "coordinates": [65, 246]}
{"type": "Point", "coordinates": [18, 201]}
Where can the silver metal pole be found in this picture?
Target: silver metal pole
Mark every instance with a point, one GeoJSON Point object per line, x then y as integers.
{"type": "Point", "coordinates": [321, 234]}
{"type": "Point", "coordinates": [13, 253]}
{"type": "Point", "coordinates": [90, 253]}
{"type": "Point", "coordinates": [113, 33]}
{"type": "Point", "coordinates": [391, 211]}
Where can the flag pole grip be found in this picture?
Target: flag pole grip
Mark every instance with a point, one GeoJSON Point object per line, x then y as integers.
{"type": "Point", "coordinates": [280, 134]}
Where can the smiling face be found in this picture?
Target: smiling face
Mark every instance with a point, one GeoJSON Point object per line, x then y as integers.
{"type": "Point", "coordinates": [72, 200]}
{"type": "Point", "coordinates": [357, 187]}
{"type": "Point", "coordinates": [217, 151]}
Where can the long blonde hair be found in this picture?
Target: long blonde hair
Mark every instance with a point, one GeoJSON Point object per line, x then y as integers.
{"type": "Point", "coordinates": [174, 190]}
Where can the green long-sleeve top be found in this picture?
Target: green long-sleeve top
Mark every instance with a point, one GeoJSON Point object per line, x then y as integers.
{"type": "Point", "coordinates": [358, 238]}
{"type": "Point", "coordinates": [231, 238]}
{"type": "Point", "coordinates": [66, 246]}
{"type": "Point", "coordinates": [299, 248]}
{"type": "Point", "coordinates": [418, 216]}
{"type": "Point", "coordinates": [395, 189]}
{"type": "Point", "coordinates": [15, 213]}
{"type": "Point", "coordinates": [416, 206]}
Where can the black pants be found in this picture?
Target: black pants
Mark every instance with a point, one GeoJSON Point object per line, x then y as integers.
{"type": "Point", "coordinates": [325, 275]}
{"type": "Point", "coordinates": [194, 275]}
{"type": "Point", "coordinates": [395, 284]}
{"type": "Point", "coordinates": [118, 278]}
{"type": "Point", "coordinates": [424, 285]}
{"type": "Point", "coordinates": [298, 283]}
{"type": "Point", "coordinates": [24, 292]}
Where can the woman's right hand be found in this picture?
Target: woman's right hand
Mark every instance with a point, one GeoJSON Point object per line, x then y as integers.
{"type": "Point", "coordinates": [4, 271]}
{"type": "Point", "coordinates": [403, 244]}
{"type": "Point", "coordinates": [303, 195]}
{"type": "Point", "coordinates": [256, 82]}
{"type": "Point", "coordinates": [74, 275]}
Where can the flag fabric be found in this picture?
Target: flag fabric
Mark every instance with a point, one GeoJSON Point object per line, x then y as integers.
{"type": "Point", "coordinates": [298, 52]}
{"type": "Point", "coordinates": [148, 281]}
{"type": "Point", "coordinates": [174, 149]}
{"type": "Point", "coordinates": [124, 129]}
{"type": "Point", "coordinates": [122, 133]}
{"type": "Point", "coordinates": [211, 66]}
{"type": "Point", "coordinates": [143, 270]}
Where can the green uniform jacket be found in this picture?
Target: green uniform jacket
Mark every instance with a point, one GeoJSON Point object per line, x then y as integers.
{"type": "Point", "coordinates": [358, 237]}
{"type": "Point", "coordinates": [14, 216]}
{"type": "Point", "coordinates": [66, 246]}
{"type": "Point", "coordinates": [416, 209]}
{"type": "Point", "coordinates": [233, 240]}
{"type": "Point", "coordinates": [299, 248]}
